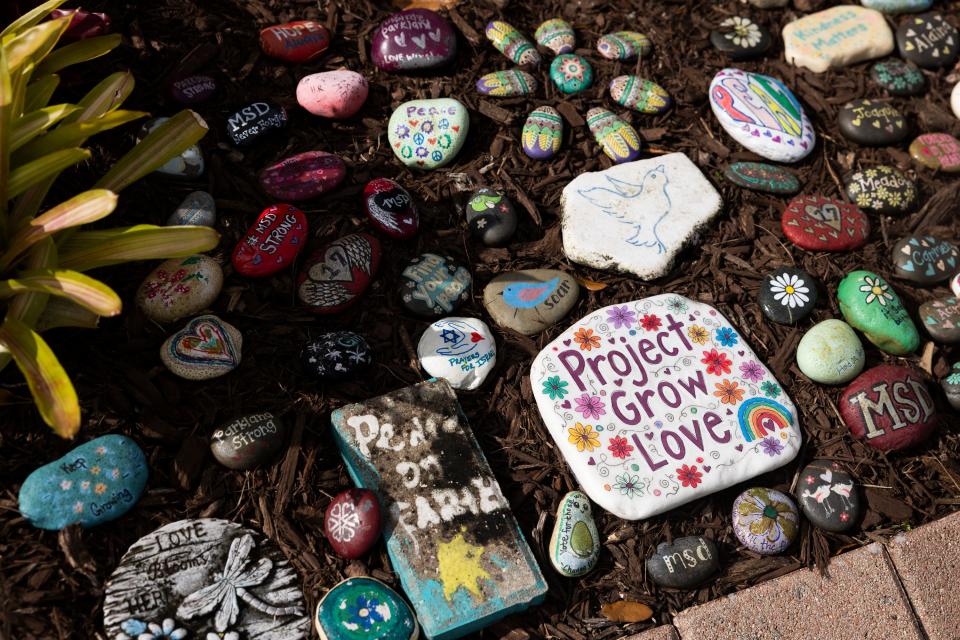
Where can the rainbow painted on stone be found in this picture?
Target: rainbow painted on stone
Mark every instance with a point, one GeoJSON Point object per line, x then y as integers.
{"type": "Point", "coordinates": [760, 416]}
{"type": "Point", "coordinates": [618, 139]}
{"type": "Point", "coordinates": [512, 43]}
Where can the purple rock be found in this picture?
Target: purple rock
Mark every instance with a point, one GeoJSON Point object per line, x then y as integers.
{"type": "Point", "coordinates": [413, 39]}
{"type": "Point", "coordinates": [192, 89]}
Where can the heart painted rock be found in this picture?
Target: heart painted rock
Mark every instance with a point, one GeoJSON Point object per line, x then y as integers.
{"type": "Point", "coordinates": [337, 355]}
{"type": "Point", "coordinates": [941, 319]}
{"type": "Point", "coordinates": [530, 301]}
{"type": "Point", "coordinates": [542, 133]}
{"type": "Point", "coordinates": [575, 541]}
{"type": "Point", "coordinates": [491, 217]}
{"type": "Point", "coordinates": [271, 243]}
{"type": "Point", "coordinates": [898, 6]}
{"type": "Point", "coordinates": [924, 259]}
{"type": "Point", "coordinates": [830, 353]}
{"type": "Point", "coordinates": [249, 441]}
{"type": "Point", "coordinates": [94, 483]}
{"type": "Point", "coordinates": [642, 437]}
{"type": "Point", "coordinates": [881, 189]}
{"type": "Point", "coordinates": [391, 208]}
{"type": "Point", "coordinates": [818, 223]}
{"type": "Point", "coordinates": [951, 386]}
{"type": "Point", "coordinates": [899, 78]}
{"type": "Point", "coordinates": [191, 89]}
{"type": "Point", "coordinates": [300, 41]}
{"type": "Point", "coordinates": [427, 134]}
{"type": "Point", "coordinates": [571, 73]}
{"type": "Point", "coordinates": [364, 609]}
{"type": "Point", "coordinates": [557, 35]}
{"type": "Point", "coordinates": [872, 122]}
{"type": "Point", "coordinates": [206, 348]}
{"type": "Point", "coordinates": [413, 39]}
{"type": "Point", "coordinates": [463, 351]}
{"type": "Point", "coordinates": [333, 94]}
{"type": "Point", "coordinates": [335, 276]}
{"type": "Point", "coordinates": [869, 304]}
{"type": "Point", "coordinates": [829, 496]}
{"type": "Point", "coordinates": [198, 208]}
{"type": "Point", "coordinates": [740, 38]}
{"type": "Point", "coordinates": [928, 40]}
{"type": "Point", "coordinates": [765, 520]}
{"type": "Point", "coordinates": [889, 407]}
{"type": "Point", "coordinates": [937, 151]}
{"type": "Point", "coordinates": [684, 563]}
{"type": "Point", "coordinates": [618, 139]}
{"type": "Point", "coordinates": [506, 84]}
{"type": "Point", "coordinates": [623, 45]}
{"type": "Point", "coordinates": [180, 287]}
{"type": "Point", "coordinates": [303, 176]}
{"type": "Point", "coordinates": [787, 295]}
{"type": "Point", "coordinates": [352, 522]}
{"type": "Point", "coordinates": [761, 113]}
{"type": "Point", "coordinates": [189, 164]}
{"type": "Point", "coordinates": [83, 24]}
{"type": "Point", "coordinates": [512, 43]}
{"type": "Point", "coordinates": [764, 177]}
{"type": "Point", "coordinates": [256, 121]}
{"type": "Point", "coordinates": [837, 37]}
{"type": "Point", "coordinates": [433, 285]}
{"type": "Point", "coordinates": [633, 92]}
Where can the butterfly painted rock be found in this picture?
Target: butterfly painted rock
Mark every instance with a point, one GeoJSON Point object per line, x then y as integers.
{"type": "Point", "coordinates": [618, 139]}
{"type": "Point", "coordinates": [335, 276]}
{"type": "Point", "coordinates": [542, 133]}
{"type": "Point", "coordinates": [817, 223]}
{"type": "Point", "coordinates": [413, 39]}
{"type": "Point", "coordinates": [512, 43]}
{"type": "Point", "coordinates": [427, 134]}
{"type": "Point", "coordinates": [633, 92]}
{"type": "Point", "coordinates": [391, 208]}
{"type": "Point", "coordinates": [272, 242]}
{"type": "Point", "coordinates": [206, 348]}
{"type": "Point", "coordinates": [303, 176]}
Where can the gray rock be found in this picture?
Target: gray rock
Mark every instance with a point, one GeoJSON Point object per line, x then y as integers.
{"type": "Point", "coordinates": [951, 386]}
{"type": "Point", "coordinates": [249, 441]}
{"type": "Point", "coordinates": [530, 301]}
{"type": "Point", "coordinates": [198, 208]}
{"type": "Point", "coordinates": [491, 217]}
{"type": "Point", "coordinates": [685, 563]}
{"type": "Point", "coordinates": [941, 319]}
{"type": "Point", "coordinates": [829, 496]}
{"type": "Point", "coordinates": [924, 259]}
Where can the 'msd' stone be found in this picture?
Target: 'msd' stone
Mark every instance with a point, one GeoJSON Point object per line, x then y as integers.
{"type": "Point", "coordinates": [575, 542]}
{"type": "Point", "coordinates": [249, 441]}
{"type": "Point", "coordinates": [391, 208]}
{"type": "Point", "coordinates": [871, 305]}
{"type": "Point", "coordinates": [684, 563]}
{"type": "Point", "coordinates": [623, 45]}
{"type": "Point", "coordinates": [272, 242]}
{"type": "Point", "coordinates": [256, 121]}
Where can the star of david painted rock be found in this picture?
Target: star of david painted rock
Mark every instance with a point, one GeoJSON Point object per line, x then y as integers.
{"type": "Point", "coordinates": [837, 37]}
{"type": "Point", "coordinates": [941, 319]}
{"type": "Point", "coordinates": [817, 223]}
{"type": "Point", "coordinates": [352, 522]}
{"type": "Point", "coordinates": [889, 407]}
{"type": "Point", "coordinates": [303, 176]}
{"type": "Point", "coordinates": [364, 609]}
{"type": "Point", "coordinates": [413, 39]}
{"type": "Point", "coordinates": [299, 41]}
{"type": "Point", "coordinates": [658, 402]}
{"type": "Point", "coordinates": [928, 40]}
{"type": "Point", "coordinates": [427, 134]}
{"type": "Point", "coordinates": [633, 92]}
{"type": "Point", "coordinates": [760, 176]}
{"type": "Point", "coordinates": [623, 45]}
{"type": "Point", "coordinates": [462, 351]}
{"type": "Point", "coordinates": [924, 259]}
{"type": "Point", "coordinates": [206, 348]}
{"type": "Point", "coordinates": [335, 276]}
{"type": "Point", "coordinates": [513, 44]}
{"type": "Point", "coordinates": [391, 208]}
{"type": "Point", "coordinates": [272, 242]}
{"type": "Point", "coordinates": [542, 133]}
{"type": "Point", "coordinates": [618, 139]}
{"type": "Point", "coordinates": [557, 35]}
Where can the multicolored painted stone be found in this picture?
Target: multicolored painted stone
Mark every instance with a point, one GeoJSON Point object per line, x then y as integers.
{"type": "Point", "coordinates": [255, 121]}
{"type": "Point", "coordinates": [951, 386]}
{"type": "Point", "coordinates": [924, 259]}
{"type": "Point", "coordinates": [557, 35]}
{"type": "Point", "coordinates": [434, 286]}
{"type": "Point", "coordinates": [391, 208]}
{"type": "Point", "coordinates": [335, 276]}
{"type": "Point", "coordinates": [299, 41]}
{"type": "Point", "coordinates": [336, 355]}
{"type": "Point", "coordinates": [248, 442]}
{"type": "Point", "coordinates": [575, 541]}
{"type": "Point", "coordinates": [760, 176]}
{"type": "Point", "coordinates": [271, 243]}
{"type": "Point", "coordinates": [189, 164]}
{"type": "Point", "coordinates": [899, 78]}
{"type": "Point", "coordinates": [530, 301]}
{"type": "Point", "coordinates": [818, 223]}
{"type": "Point", "coordinates": [198, 208]}
{"type": "Point", "coordinates": [941, 319]}
{"type": "Point", "coordinates": [542, 133]}
{"type": "Point", "coordinates": [462, 351]}
{"type": "Point", "coordinates": [889, 407]}
{"type": "Point", "coordinates": [413, 39]}
{"type": "Point", "coordinates": [898, 6]}
{"type": "Point", "coordinates": [830, 353]}
{"type": "Point", "coordinates": [937, 151]}
{"type": "Point", "coordinates": [837, 37]}
{"type": "Point", "coordinates": [684, 563]}
{"type": "Point", "coordinates": [491, 217]}
{"type": "Point", "coordinates": [427, 134]}
{"type": "Point", "coordinates": [618, 139]}
{"type": "Point", "coordinates": [765, 520]}
{"type": "Point", "coordinates": [869, 304]}
{"type": "Point", "coordinates": [83, 24]}
{"type": "Point", "coordinates": [206, 348]}
{"type": "Point", "coordinates": [881, 189]}
{"type": "Point", "coordinates": [303, 176]}
{"type": "Point", "coordinates": [333, 94]}
{"type": "Point", "coordinates": [364, 609]}
{"type": "Point", "coordinates": [633, 92]}
{"type": "Point", "coordinates": [180, 287]}
{"type": "Point", "coordinates": [571, 73]}
{"type": "Point", "coordinates": [928, 40]}
{"type": "Point", "coordinates": [192, 88]}
{"type": "Point", "coordinates": [504, 84]}
{"type": "Point", "coordinates": [872, 122]}
{"type": "Point", "coordinates": [352, 522]}
{"type": "Point", "coordinates": [512, 43]}
{"type": "Point", "coordinates": [623, 45]}
{"type": "Point", "coordinates": [787, 295]}
{"type": "Point", "coordinates": [740, 38]}
{"type": "Point", "coordinates": [829, 496]}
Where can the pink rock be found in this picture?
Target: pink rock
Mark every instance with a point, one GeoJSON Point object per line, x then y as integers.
{"type": "Point", "coordinates": [352, 522]}
{"type": "Point", "coordinates": [303, 176]}
{"type": "Point", "coordinates": [83, 24]}
{"type": "Point", "coordinates": [332, 94]}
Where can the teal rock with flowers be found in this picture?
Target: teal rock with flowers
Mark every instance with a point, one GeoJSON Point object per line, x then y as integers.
{"type": "Point", "coordinates": [571, 73]}
{"type": "Point", "coordinates": [870, 304]}
{"type": "Point", "coordinates": [426, 134]}
{"type": "Point", "coordinates": [364, 609]}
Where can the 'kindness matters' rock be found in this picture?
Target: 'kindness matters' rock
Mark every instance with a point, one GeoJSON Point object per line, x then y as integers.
{"type": "Point", "coordinates": [685, 563]}
{"type": "Point", "coordinates": [189, 164]}
{"type": "Point", "coordinates": [352, 522]}
{"type": "Point", "coordinates": [413, 39]}
{"type": "Point", "coordinates": [951, 386]}
{"type": "Point", "coordinates": [740, 38]}
{"type": "Point", "coordinates": [557, 35]}
{"type": "Point", "coordinates": [335, 276]}
{"type": "Point", "coordinates": [303, 176]}
{"type": "Point", "coordinates": [889, 407]}
{"type": "Point", "coordinates": [618, 139]}
{"type": "Point", "coordinates": [530, 301]}
{"type": "Point", "coordinates": [828, 496]}
{"type": "Point", "coordinates": [633, 92]}
{"type": "Point", "coordinates": [333, 94]}
{"type": "Point", "coordinates": [817, 223]}
{"type": "Point", "coordinates": [272, 242]}
{"type": "Point", "coordinates": [300, 41]}
{"type": "Point", "coordinates": [206, 348]}
{"type": "Point", "coordinates": [427, 134]}
{"type": "Point", "coordinates": [764, 177]}
{"type": "Point", "coordinates": [506, 84]}
{"type": "Point", "coordinates": [461, 350]}
{"type": "Point", "coordinates": [882, 190]}
{"type": "Point", "coordinates": [623, 45]}
{"type": "Point", "coordinates": [337, 355]}
{"type": "Point", "coordinates": [198, 208]}
{"type": "Point", "coordinates": [899, 78]}
{"type": "Point", "coordinates": [249, 441]}
{"type": "Point", "coordinates": [391, 208]}
{"type": "Point", "coordinates": [928, 40]}
{"type": "Point", "coordinates": [636, 217]}
{"type": "Point", "coordinates": [642, 438]}
{"type": "Point", "coordinates": [433, 286]}
{"type": "Point", "coordinates": [869, 304]}
{"type": "Point", "coordinates": [872, 122]}
{"type": "Point", "coordinates": [512, 43]}
{"type": "Point", "coordinates": [542, 133]}
{"type": "Point", "coordinates": [256, 121]}
{"type": "Point", "coordinates": [837, 37]}
{"type": "Point", "coordinates": [830, 353]}
{"type": "Point", "coordinates": [575, 542]}
{"type": "Point", "coordinates": [937, 151]}
{"type": "Point", "coordinates": [765, 520]}
{"type": "Point", "coordinates": [491, 217]}
{"type": "Point", "coordinates": [787, 295]}
{"type": "Point", "coordinates": [924, 259]}
{"type": "Point", "coordinates": [94, 483]}
{"type": "Point", "coordinates": [941, 319]}
{"type": "Point", "coordinates": [761, 113]}
{"type": "Point", "coordinates": [364, 609]}
{"type": "Point", "coordinates": [571, 73]}
{"type": "Point", "coordinates": [180, 287]}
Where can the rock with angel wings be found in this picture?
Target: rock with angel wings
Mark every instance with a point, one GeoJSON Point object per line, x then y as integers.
{"type": "Point", "coordinates": [644, 205]}
{"type": "Point", "coordinates": [337, 275]}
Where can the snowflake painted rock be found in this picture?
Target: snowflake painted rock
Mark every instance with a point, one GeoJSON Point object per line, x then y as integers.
{"type": "Point", "coordinates": [818, 223]}
{"type": "Point", "coordinates": [352, 522]}
{"type": "Point", "coordinates": [829, 496]}
{"type": "Point", "coordinates": [391, 208]}
{"type": "Point", "coordinates": [335, 276]}
{"type": "Point", "coordinates": [364, 609]}
{"type": "Point", "coordinates": [337, 355]}
{"type": "Point", "coordinates": [765, 520]}
{"type": "Point", "coordinates": [272, 242]}
{"type": "Point", "coordinates": [180, 287]}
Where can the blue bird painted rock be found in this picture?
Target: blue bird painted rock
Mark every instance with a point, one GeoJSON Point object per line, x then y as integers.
{"type": "Point", "coordinates": [529, 294]}
{"type": "Point", "coordinates": [530, 301]}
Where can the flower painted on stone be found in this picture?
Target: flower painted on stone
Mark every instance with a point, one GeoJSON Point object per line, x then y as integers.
{"type": "Point", "coordinates": [726, 336]}
{"type": "Point", "coordinates": [771, 447]}
{"type": "Point", "coordinates": [402, 131]}
{"type": "Point", "coordinates": [717, 363]}
{"type": "Point", "coordinates": [790, 290]}
{"type": "Point", "coordinates": [555, 388]}
{"type": "Point", "coordinates": [751, 370]}
{"type": "Point", "coordinates": [365, 612]}
{"type": "Point", "coordinates": [621, 317]}
{"type": "Point", "coordinates": [770, 389]}
{"type": "Point", "coordinates": [585, 338]}
{"type": "Point", "coordinates": [628, 485]}
{"type": "Point", "coordinates": [95, 469]}
{"type": "Point", "coordinates": [689, 476]}
{"type": "Point", "coordinates": [650, 322]}
{"type": "Point", "coordinates": [101, 451]}
{"type": "Point", "coordinates": [584, 437]}
{"type": "Point", "coordinates": [698, 334]}
{"type": "Point", "coordinates": [743, 32]}
{"type": "Point", "coordinates": [876, 289]}
{"type": "Point", "coordinates": [953, 378]}
{"type": "Point", "coordinates": [100, 489]}
{"type": "Point", "coordinates": [572, 69]}
{"type": "Point", "coordinates": [728, 392]}
{"type": "Point", "coordinates": [134, 629]}
{"type": "Point", "coordinates": [844, 516]}
{"type": "Point", "coordinates": [84, 485]}
{"type": "Point", "coordinates": [768, 517]}
{"type": "Point", "coordinates": [78, 507]}
{"type": "Point", "coordinates": [677, 305]}
{"type": "Point", "coordinates": [590, 406]}
{"type": "Point", "coordinates": [809, 479]}
{"type": "Point", "coordinates": [619, 447]}
{"type": "Point", "coordinates": [66, 484]}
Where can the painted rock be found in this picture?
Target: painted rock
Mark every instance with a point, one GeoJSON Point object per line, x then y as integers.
{"type": "Point", "coordinates": [206, 348]}
{"type": "Point", "coordinates": [192, 88]}
{"type": "Point", "coordinates": [633, 92]}
{"type": "Point", "coordinates": [837, 37]}
{"type": "Point", "coordinates": [889, 407]}
{"type": "Point", "coordinates": [684, 563]}
{"type": "Point", "coordinates": [256, 121]}
{"type": "Point", "coordinates": [830, 353]}
{"type": "Point", "coordinates": [872, 122]}
{"type": "Point", "coordinates": [623, 45]}
{"type": "Point", "coordinates": [937, 151]}
{"type": "Point", "coordinates": [94, 483]}
{"type": "Point", "coordinates": [335, 276]}
{"type": "Point", "coordinates": [180, 580]}
{"type": "Point", "coordinates": [955, 100]}
{"type": "Point", "coordinates": [575, 542]}
{"type": "Point", "coordinates": [427, 134]}
{"type": "Point", "coordinates": [505, 84]}
{"type": "Point", "coordinates": [765, 520]}
{"type": "Point", "coordinates": [881, 189]}
{"type": "Point", "coordinates": [460, 350]}
{"type": "Point", "coordinates": [818, 223]}
{"type": "Point", "coordinates": [764, 177]}
{"type": "Point", "coordinates": [787, 295]}
{"type": "Point", "coordinates": [413, 39]}
{"type": "Point", "coordinates": [951, 386]}
{"type": "Point", "coordinates": [928, 41]}
{"type": "Point", "coordinates": [571, 73]}
{"type": "Point", "coordinates": [898, 6]}
{"type": "Point", "coordinates": [83, 24]}
{"type": "Point", "coordinates": [434, 286]}
{"type": "Point", "coordinates": [899, 78]}
{"type": "Point", "coordinates": [333, 94]}
{"type": "Point", "coordinates": [955, 284]}
{"type": "Point", "coordinates": [542, 133]}
{"type": "Point", "coordinates": [768, 4]}
{"type": "Point", "coordinates": [636, 217]}
{"type": "Point", "coordinates": [391, 208]}
{"type": "Point", "coordinates": [512, 43]}
{"type": "Point", "coordinates": [924, 259]}
{"type": "Point", "coordinates": [180, 287]}
{"type": "Point", "coordinates": [530, 301]}
{"type": "Point", "coordinates": [352, 522]}
{"type": "Point", "coordinates": [303, 176]}
{"type": "Point", "coordinates": [189, 164]}
{"type": "Point", "coordinates": [364, 609]}
{"type": "Point", "coordinates": [871, 305]}
{"type": "Point", "coordinates": [271, 243]}
{"type": "Point", "coordinates": [491, 217]}
{"type": "Point", "coordinates": [198, 208]}
{"type": "Point", "coordinates": [618, 139]}
{"type": "Point", "coordinates": [941, 319]}
{"type": "Point", "coordinates": [641, 442]}
{"type": "Point", "coordinates": [557, 35]}
{"type": "Point", "coordinates": [337, 355]}
{"type": "Point", "coordinates": [740, 38]}
{"type": "Point", "coordinates": [829, 496]}
{"type": "Point", "coordinates": [300, 41]}
{"type": "Point", "coordinates": [249, 441]}
{"type": "Point", "coordinates": [762, 114]}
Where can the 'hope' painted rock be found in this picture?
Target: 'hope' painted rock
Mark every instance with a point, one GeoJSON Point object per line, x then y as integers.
{"type": "Point", "coordinates": [633, 92]}
{"type": "Point", "coordinates": [300, 41]}
{"type": "Point", "coordinates": [335, 276]}
{"type": "Point", "coordinates": [829, 496]}
{"type": "Point", "coordinates": [542, 133]}
{"type": "Point", "coordinates": [391, 208]}
{"type": "Point", "coordinates": [206, 348]}
{"type": "Point", "coordinates": [249, 441]}
{"type": "Point", "coordinates": [658, 402]}
{"type": "Point", "coordinates": [872, 122]}
{"type": "Point", "coordinates": [899, 78]}
{"type": "Point", "coordinates": [617, 138]}
{"type": "Point", "coordinates": [505, 84]}
{"type": "Point", "coordinates": [364, 609]}
{"type": "Point", "coordinates": [889, 407]}
{"type": "Point", "coordinates": [333, 94]}
{"type": "Point", "coordinates": [530, 301]}
{"type": "Point", "coordinates": [198, 208]}
{"type": "Point", "coordinates": [937, 151]}
{"type": "Point", "coordinates": [94, 483]}
{"type": "Point", "coordinates": [623, 45]}
{"type": "Point", "coordinates": [882, 190]}
{"type": "Point", "coordinates": [571, 73]}
{"type": "Point", "coordinates": [336, 355]}
{"type": "Point", "coordinates": [426, 134]}
{"type": "Point", "coordinates": [684, 563]}
{"type": "Point", "coordinates": [512, 43]}
{"type": "Point", "coordinates": [924, 259]}
{"type": "Point", "coordinates": [765, 521]}
{"type": "Point", "coordinates": [869, 304]}
{"type": "Point", "coordinates": [303, 176]}
{"type": "Point", "coordinates": [818, 223]}
{"type": "Point", "coordinates": [413, 39]}
{"type": "Point", "coordinates": [272, 242]}
{"type": "Point", "coordinates": [760, 176]}
{"type": "Point", "coordinates": [352, 522]}
{"type": "Point", "coordinates": [928, 40]}
{"type": "Point", "coordinates": [575, 542]}
{"type": "Point", "coordinates": [255, 121]}
{"type": "Point", "coordinates": [434, 286]}
{"type": "Point", "coordinates": [555, 34]}
{"type": "Point", "coordinates": [460, 350]}
{"type": "Point", "coordinates": [837, 37]}
{"type": "Point", "coordinates": [180, 287]}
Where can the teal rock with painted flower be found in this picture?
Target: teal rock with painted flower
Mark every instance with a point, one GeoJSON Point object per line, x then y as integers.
{"type": "Point", "coordinates": [575, 543]}
{"type": "Point", "coordinates": [426, 134]}
{"type": "Point", "coordinates": [364, 609]}
{"type": "Point", "coordinates": [870, 304]}
{"type": "Point", "coordinates": [571, 73]}
{"type": "Point", "coordinates": [505, 84]}
{"type": "Point", "coordinates": [633, 92]}
{"type": "Point", "coordinates": [557, 35]}
{"type": "Point", "coordinates": [513, 44]}
{"type": "Point", "coordinates": [618, 139]}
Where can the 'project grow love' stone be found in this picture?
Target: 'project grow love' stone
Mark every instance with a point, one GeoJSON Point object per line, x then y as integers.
{"type": "Point", "coordinates": [575, 541]}
{"type": "Point", "coordinates": [657, 402]}
{"type": "Point", "coordinates": [427, 134]}
{"type": "Point", "coordinates": [272, 242]}
{"type": "Point", "coordinates": [413, 39]}
{"type": "Point", "coordinates": [837, 37]}
{"type": "Point", "coordinates": [869, 304]}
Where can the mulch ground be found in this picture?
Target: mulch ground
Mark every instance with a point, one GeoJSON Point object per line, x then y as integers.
{"type": "Point", "coordinates": [51, 586]}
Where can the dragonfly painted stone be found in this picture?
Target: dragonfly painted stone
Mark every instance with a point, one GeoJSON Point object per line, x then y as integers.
{"type": "Point", "coordinates": [899, 78]}
{"type": "Point", "coordinates": [462, 351]}
{"type": "Point", "coordinates": [881, 189]}
{"type": "Point", "coordinates": [335, 94]}
{"type": "Point", "coordinates": [925, 259]}
{"type": "Point", "coordinates": [303, 176]}
{"type": "Point", "coordinates": [575, 541]}
{"type": "Point", "coordinates": [623, 45]}
{"type": "Point", "coordinates": [740, 38]}
{"type": "Point", "coordinates": [363, 608]}
{"type": "Point", "coordinates": [391, 208]}
{"type": "Point", "coordinates": [491, 217]}
{"type": "Point", "coordinates": [255, 121]}
{"type": "Point", "coordinates": [413, 39]}
{"type": "Point", "coordinates": [571, 73]}
{"type": "Point", "coordinates": [928, 40]}
{"type": "Point", "coordinates": [204, 578]}
{"type": "Point", "coordinates": [618, 139]}
{"type": "Point", "coordinates": [532, 300]}
{"type": "Point", "coordinates": [198, 208]}
{"type": "Point", "coordinates": [818, 223]}
{"type": "Point", "coordinates": [352, 522]}
{"type": "Point", "coordinates": [542, 133]}
{"type": "Point", "coordinates": [870, 304]}
{"type": "Point", "coordinates": [432, 285]}
{"type": "Point", "coordinates": [207, 347]}
{"type": "Point", "coordinates": [336, 355]}
{"type": "Point", "coordinates": [189, 164]}
{"type": "Point", "coordinates": [941, 319]}
{"type": "Point", "coordinates": [837, 37]}
{"type": "Point", "coordinates": [829, 496]}
{"type": "Point", "coordinates": [428, 134]}
{"type": "Point", "coordinates": [180, 287]}
{"type": "Point", "coordinates": [507, 84]}
{"type": "Point", "coordinates": [335, 276]}
{"type": "Point", "coordinates": [298, 41]}
{"type": "Point", "coordinates": [272, 242]}
{"type": "Point", "coordinates": [249, 441]}
{"type": "Point", "coordinates": [633, 92]}
{"type": "Point", "coordinates": [557, 35]}
{"type": "Point", "coordinates": [872, 122]}
{"type": "Point", "coordinates": [889, 408]}
{"type": "Point", "coordinates": [765, 521]}
{"type": "Point", "coordinates": [760, 176]}
{"type": "Point", "coordinates": [513, 44]}
{"type": "Point", "coordinates": [937, 151]}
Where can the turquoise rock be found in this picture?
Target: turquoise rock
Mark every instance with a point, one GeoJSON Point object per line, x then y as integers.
{"type": "Point", "coordinates": [96, 482]}
{"type": "Point", "coordinates": [571, 73]}
{"type": "Point", "coordinates": [364, 609]}
{"type": "Point", "coordinates": [830, 353]}
{"type": "Point", "coordinates": [575, 543]}
{"type": "Point", "coordinates": [870, 304]}
{"type": "Point", "coordinates": [426, 134]}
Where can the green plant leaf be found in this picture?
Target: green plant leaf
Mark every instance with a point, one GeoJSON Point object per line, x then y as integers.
{"type": "Point", "coordinates": [28, 308]}
{"type": "Point", "coordinates": [61, 312]}
{"type": "Point", "coordinates": [39, 92]}
{"type": "Point", "coordinates": [6, 117]}
{"type": "Point", "coordinates": [74, 135]}
{"type": "Point", "coordinates": [30, 18]}
{"type": "Point", "coordinates": [32, 173]}
{"type": "Point", "coordinates": [80, 51]}
{"type": "Point", "coordinates": [28, 126]}
{"type": "Point", "coordinates": [84, 290]}
{"type": "Point", "coordinates": [34, 44]}
{"type": "Point", "coordinates": [87, 250]}
{"type": "Point", "coordinates": [108, 95]}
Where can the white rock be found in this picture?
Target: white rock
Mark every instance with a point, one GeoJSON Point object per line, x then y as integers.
{"type": "Point", "coordinates": [955, 100]}
{"type": "Point", "coordinates": [461, 350]}
{"type": "Point", "coordinates": [636, 216]}
{"type": "Point", "coordinates": [180, 287]}
{"type": "Point", "coordinates": [837, 37]}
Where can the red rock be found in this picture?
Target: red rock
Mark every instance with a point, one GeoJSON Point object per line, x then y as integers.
{"type": "Point", "coordinates": [335, 276]}
{"type": "Point", "coordinates": [390, 208]}
{"type": "Point", "coordinates": [272, 242]}
{"type": "Point", "coordinates": [352, 522]}
{"type": "Point", "coordinates": [299, 41]}
{"type": "Point", "coordinates": [303, 176]}
{"type": "Point", "coordinates": [192, 89]}
{"type": "Point", "coordinates": [823, 224]}
{"type": "Point", "coordinates": [889, 407]}
{"type": "Point", "coordinates": [83, 24]}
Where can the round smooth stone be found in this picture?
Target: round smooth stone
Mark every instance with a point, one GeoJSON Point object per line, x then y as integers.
{"type": "Point", "coordinates": [898, 6]}
{"type": "Point", "coordinates": [818, 223]}
{"type": "Point", "coordinates": [364, 609]}
{"type": "Point", "coordinates": [575, 542]}
{"type": "Point", "coordinates": [829, 496]}
{"type": "Point", "coordinates": [941, 319]}
{"type": "Point", "coordinates": [740, 38]}
{"type": "Point", "coordinates": [191, 89]}
{"type": "Point", "coordinates": [461, 350]}
{"type": "Point", "coordinates": [333, 94]}
{"type": "Point", "coordinates": [937, 151]}
{"type": "Point", "coordinates": [491, 217]}
{"type": "Point", "coordinates": [433, 285]}
{"type": "Point", "coordinates": [955, 100]}
{"type": "Point", "coordinates": [633, 92]}
{"type": "Point", "coordinates": [513, 44]}
{"type": "Point", "coordinates": [530, 301]}
{"type": "Point", "coordinates": [684, 563]}
{"type": "Point", "coordinates": [830, 353]}
{"type": "Point", "coordinates": [872, 122]}
{"type": "Point", "coordinates": [413, 39]}
{"type": "Point", "coordinates": [198, 208]}
{"type": "Point", "coordinates": [571, 73]}
{"type": "Point", "coordinates": [505, 84]}
{"type": "Point", "coordinates": [206, 348]}
{"type": "Point", "coordinates": [924, 259]}
{"type": "Point", "coordinates": [542, 133]}
{"type": "Point", "coordinates": [352, 522]}
{"type": "Point", "coordinates": [765, 520]}
{"type": "Point", "coordinates": [254, 122]}
{"type": "Point", "coordinates": [180, 287]}
{"type": "Point", "coordinates": [94, 483]}
{"type": "Point", "coordinates": [871, 305]}
{"type": "Point", "coordinates": [303, 176]}
{"type": "Point", "coordinates": [427, 134]}
{"type": "Point", "coordinates": [928, 40]}
{"type": "Point", "coordinates": [955, 285]}
{"type": "Point", "coordinates": [335, 276]}
{"type": "Point", "coordinates": [557, 35]}
{"type": "Point", "coordinates": [189, 164]}
{"type": "Point", "coordinates": [391, 208]}
{"type": "Point", "coordinates": [881, 189]}
{"type": "Point", "coordinates": [249, 441]}
{"type": "Point", "coordinates": [623, 45]}
{"type": "Point", "coordinates": [337, 355]}
{"type": "Point", "coordinates": [83, 24]}
{"type": "Point", "coordinates": [618, 139]}
{"type": "Point", "coordinates": [299, 41]}
{"type": "Point", "coordinates": [899, 78]}
{"type": "Point", "coordinates": [787, 295]}
{"type": "Point", "coordinates": [182, 581]}
{"type": "Point", "coordinates": [271, 243]}
{"type": "Point", "coordinates": [760, 176]}
{"type": "Point", "coordinates": [889, 407]}
{"type": "Point", "coordinates": [951, 386]}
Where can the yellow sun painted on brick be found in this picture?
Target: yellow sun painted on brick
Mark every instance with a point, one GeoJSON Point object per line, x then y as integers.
{"type": "Point", "coordinates": [458, 562]}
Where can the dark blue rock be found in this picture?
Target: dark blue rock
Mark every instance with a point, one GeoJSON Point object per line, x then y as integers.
{"type": "Point", "coordinates": [337, 355]}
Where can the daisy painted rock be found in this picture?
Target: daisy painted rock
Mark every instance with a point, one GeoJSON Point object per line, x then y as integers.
{"type": "Point", "coordinates": [837, 37]}
{"type": "Point", "coordinates": [336, 355]}
{"type": "Point", "coordinates": [740, 38]}
{"type": "Point", "coordinates": [660, 401]}
{"type": "Point", "coordinates": [871, 305]}
{"type": "Point", "coordinates": [889, 407]}
{"type": "Point", "coordinates": [765, 520]}
{"type": "Point", "coordinates": [899, 78]}
{"type": "Point", "coordinates": [788, 295]}
{"type": "Point", "coordinates": [818, 223]}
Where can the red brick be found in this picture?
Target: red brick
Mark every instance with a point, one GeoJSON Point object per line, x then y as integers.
{"type": "Point", "coordinates": [666, 632]}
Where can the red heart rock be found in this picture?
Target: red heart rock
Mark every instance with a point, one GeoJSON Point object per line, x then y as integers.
{"type": "Point", "coordinates": [303, 176]}
{"type": "Point", "coordinates": [817, 223]}
{"type": "Point", "coordinates": [272, 242]}
{"type": "Point", "coordinates": [336, 275]}
{"type": "Point", "coordinates": [390, 208]}
{"type": "Point", "coordinates": [299, 41]}
{"type": "Point", "coordinates": [352, 522]}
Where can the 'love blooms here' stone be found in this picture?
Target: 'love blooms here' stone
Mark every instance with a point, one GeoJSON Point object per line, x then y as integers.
{"type": "Point", "coordinates": [198, 208]}
{"type": "Point", "coordinates": [391, 208]}
{"type": "Point", "coordinates": [335, 276]}
{"type": "Point", "coordinates": [761, 113]}
{"type": "Point", "coordinates": [491, 217]}
{"type": "Point", "coordinates": [928, 40]}
{"type": "Point", "coordinates": [512, 43]}
{"type": "Point", "coordinates": [684, 563]}
{"type": "Point", "coordinates": [571, 73]}
{"type": "Point", "coordinates": [937, 151]}
{"type": "Point", "coordinates": [623, 45]}
{"type": "Point", "coordinates": [924, 259]}
{"type": "Point", "coordinates": [352, 522]}
{"type": "Point", "coordinates": [633, 92]}
{"type": "Point", "coordinates": [300, 41]}
{"type": "Point", "coordinates": [336, 355]}
{"type": "Point", "coordinates": [257, 120]}
{"type": "Point", "coordinates": [303, 176]}
{"type": "Point", "coordinates": [530, 301]}
{"type": "Point", "coordinates": [94, 483]}
{"type": "Point", "coordinates": [180, 287]}
{"type": "Point", "coordinates": [333, 94]}
{"type": "Point", "coordinates": [427, 134]}
{"type": "Point", "coordinates": [899, 78]}
{"type": "Point", "coordinates": [433, 285]}
{"type": "Point", "coordinates": [364, 609]}
{"type": "Point", "coordinates": [272, 242]}
{"type": "Point", "coordinates": [249, 441]}
{"type": "Point", "coordinates": [557, 35]}
{"type": "Point", "coordinates": [542, 133]}
{"type": "Point", "coordinates": [871, 305]}
{"type": "Point", "coordinates": [618, 139]}
{"type": "Point", "coordinates": [829, 496]}
{"type": "Point", "coordinates": [889, 407]}
{"type": "Point", "coordinates": [818, 223]}
{"type": "Point", "coordinates": [189, 164]}
{"type": "Point", "coordinates": [462, 351]}
{"type": "Point", "coordinates": [764, 177]}
{"type": "Point", "coordinates": [837, 37]}
{"type": "Point", "coordinates": [787, 295]}
{"type": "Point", "coordinates": [830, 353]}
{"type": "Point", "coordinates": [575, 542]}
{"type": "Point", "coordinates": [505, 84]}
{"type": "Point", "coordinates": [206, 348]}
{"type": "Point", "coordinates": [765, 520]}
{"type": "Point", "coordinates": [941, 319]}
{"type": "Point", "coordinates": [897, 6]}
{"type": "Point", "coordinates": [881, 189]}
{"type": "Point", "coordinates": [658, 402]}
{"type": "Point", "coordinates": [413, 39]}
{"type": "Point", "coordinates": [872, 122]}
{"type": "Point", "coordinates": [740, 38]}
{"type": "Point", "coordinates": [636, 217]}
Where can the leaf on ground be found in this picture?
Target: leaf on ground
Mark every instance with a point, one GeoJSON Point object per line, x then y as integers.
{"type": "Point", "coordinates": [592, 285]}
{"type": "Point", "coordinates": [626, 611]}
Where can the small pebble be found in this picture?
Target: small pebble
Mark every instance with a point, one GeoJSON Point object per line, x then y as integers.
{"type": "Point", "coordinates": [575, 542]}
{"type": "Point", "coordinates": [256, 121]}
{"type": "Point", "coordinates": [760, 176]}
{"type": "Point", "coordinates": [557, 35]}
{"type": "Point", "coordinates": [391, 208]}
{"type": "Point", "coordinates": [633, 92]}
{"type": "Point", "coordinates": [684, 563]}
{"type": "Point", "coordinates": [335, 356]}
{"type": "Point", "coordinates": [824, 40]}
{"type": "Point", "coordinates": [830, 353]}
{"type": "Point", "coordinates": [507, 84]}
{"type": "Point", "coordinates": [542, 133]}
{"type": "Point", "coordinates": [272, 242]}
{"type": "Point", "coordinates": [899, 78]}
{"type": "Point", "coordinates": [872, 122]}
{"type": "Point", "coordinates": [352, 522]}
{"type": "Point", "coordinates": [412, 40]}
{"type": "Point", "coordinates": [512, 43]}
{"type": "Point", "coordinates": [951, 386]}
{"type": "Point", "coordinates": [530, 301]}
{"type": "Point", "coordinates": [829, 496]}
{"type": "Point", "coordinates": [740, 38]}
{"type": "Point", "coordinates": [191, 89]}
{"type": "Point", "coordinates": [818, 223]}
{"type": "Point", "coordinates": [765, 520]}
{"type": "Point", "coordinates": [928, 40]}
{"type": "Point", "coordinates": [344, 613]}
{"type": "Point", "coordinates": [427, 134]}
{"type": "Point", "coordinates": [434, 285]}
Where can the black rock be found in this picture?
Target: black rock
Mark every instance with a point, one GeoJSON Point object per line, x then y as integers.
{"type": "Point", "coordinates": [951, 386]}
{"type": "Point", "coordinates": [192, 89]}
{"type": "Point", "coordinates": [787, 295]}
{"type": "Point", "coordinates": [432, 285]}
{"type": "Point", "coordinates": [337, 355]}
{"type": "Point", "coordinates": [740, 38]}
{"type": "Point", "coordinates": [255, 121]}
{"type": "Point", "coordinates": [924, 259]}
{"type": "Point", "coordinates": [248, 441]}
{"type": "Point", "coordinates": [872, 122]}
{"type": "Point", "coordinates": [829, 496]}
{"type": "Point", "coordinates": [941, 319]}
{"type": "Point", "coordinates": [685, 563]}
{"type": "Point", "coordinates": [882, 190]}
{"type": "Point", "coordinates": [899, 78]}
{"type": "Point", "coordinates": [928, 40]}
{"type": "Point", "coordinates": [491, 217]}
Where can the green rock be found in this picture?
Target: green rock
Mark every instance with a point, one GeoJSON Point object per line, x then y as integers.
{"type": "Point", "coordinates": [571, 73]}
{"type": "Point", "coordinates": [581, 542]}
{"type": "Point", "coordinates": [871, 305]}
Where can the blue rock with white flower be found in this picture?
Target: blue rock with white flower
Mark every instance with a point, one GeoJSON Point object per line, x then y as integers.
{"type": "Point", "coordinates": [364, 609]}
{"type": "Point", "coordinates": [94, 483]}
{"type": "Point", "coordinates": [787, 295]}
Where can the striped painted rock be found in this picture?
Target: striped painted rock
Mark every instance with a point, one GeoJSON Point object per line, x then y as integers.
{"type": "Point", "coordinates": [623, 45]}
{"type": "Point", "coordinates": [555, 34]}
{"type": "Point", "coordinates": [618, 139]}
{"type": "Point", "coordinates": [542, 133]}
{"type": "Point", "coordinates": [512, 43]}
{"type": "Point", "coordinates": [640, 95]}
{"type": "Point", "coordinates": [502, 84]}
